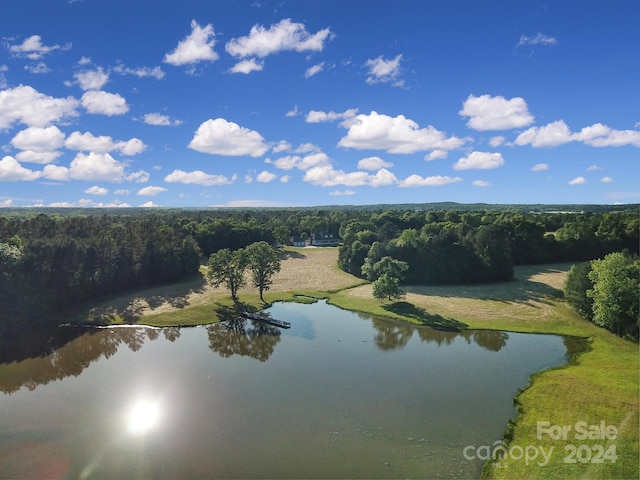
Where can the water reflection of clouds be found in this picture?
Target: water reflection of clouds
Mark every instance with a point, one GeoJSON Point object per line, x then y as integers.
{"type": "Point", "coordinates": [301, 326]}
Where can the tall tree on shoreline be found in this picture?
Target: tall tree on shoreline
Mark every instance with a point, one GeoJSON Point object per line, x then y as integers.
{"type": "Point", "coordinates": [263, 261]}
{"type": "Point", "coordinates": [227, 267]}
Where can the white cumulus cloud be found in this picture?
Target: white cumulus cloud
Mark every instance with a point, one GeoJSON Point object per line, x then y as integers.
{"type": "Point", "coordinates": [34, 49]}
{"type": "Point", "coordinates": [26, 105]}
{"type": "Point", "coordinates": [198, 177]}
{"type": "Point", "coordinates": [578, 181]}
{"type": "Point", "coordinates": [104, 103]}
{"type": "Point", "coordinates": [479, 161]}
{"type": "Point", "coordinates": [327, 176]}
{"type": "Point", "coordinates": [12, 171]}
{"type": "Point", "coordinates": [247, 66]}
{"type": "Point", "coordinates": [384, 71]}
{"type": "Point", "coordinates": [161, 120]}
{"type": "Point", "coordinates": [151, 191]}
{"type": "Point", "coordinates": [196, 47]}
{"type": "Point", "coordinates": [539, 167]}
{"type": "Point", "coordinates": [92, 79]}
{"type": "Point", "coordinates": [38, 139]}
{"type": "Point", "coordinates": [96, 190]}
{"type": "Point", "coordinates": [96, 167]}
{"type": "Point", "coordinates": [395, 135]}
{"type": "Point", "coordinates": [317, 116]}
{"type": "Point", "coordinates": [88, 142]}
{"type": "Point", "coordinates": [282, 36]}
{"type": "Point", "coordinates": [433, 181]}
{"type": "Point", "coordinates": [373, 163]}
{"type": "Point", "coordinates": [220, 137]}
{"type": "Point", "coordinates": [496, 113]}
{"type": "Point", "coordinates": [266, 177]}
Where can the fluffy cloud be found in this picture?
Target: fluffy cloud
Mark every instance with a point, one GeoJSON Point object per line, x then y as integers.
{"type": "Point", "coordinates": [34, 49]}
{"type": "Point", "coordinates": [578, 181]}
{"type": "Point", "coordinates": [198, 177]}
{"type": "Point", "coordinates": [220, 137]}
{"type": "Point", "coordinates": [104, 103]}
{"type": "Point", "coordinates": [479, 161]}
{"type": "Point", "coordinates": [55, 172]}
{"type": "Point", "coordinates": [599, 135]}
{"type": "Point", "coordinates": [151, 191]}
{"type": "Point", "coordinates": [551, 135]}
{"type": "Point", "coordinates": [38, 139]}
{"type": "Point", "coordinates": [384, 71]}
{"type": "Point", "coordinates": [103, 143]}
{"type": "Point", "coordinates": [327, 176]}
{"type": "Point", "coordinates": [481, 183]}
{"type": "Point", "coordinates": [196, 47]}
{"type": "Point", "coordinates": [92, 79]}
{"type": "Point", "coordinates": [373, 163]}
{"type": "Point", "coordinates": [395, 135]}
{"type": "Point", "coordinates": [247, 66]}
{"type": "Point", "coordinates": [496, 113]}
{"type": "Point", "coordinates": [266, 177]}
{"type": "Point", "coordinates": [161, 120]}
{"type": "Point", "coordinates": [12, 171]}
{"type": "Point", "coordinates": [32, 156]}
{"type": "Point", "coordinates": [38, 144]}
{"type": "Point", "coordinates": [96, 166]}
{"type": "Point", "coordinates": [433, 181]}
{"type": "Point", "coordinates": [306, 162]}
{"type": "Point", "coordinates": [559, 133]}
{"type": "Point", "coordinates": [26, 105]}
{"type": "Point", "coordinates": [282, 36]}
{"type": "Point", "coordinates": [316, 116]}
{"type": "Point", "coordinates": [436, 155]}
{"type": "Point", "coordinates": [96, 190]}
{"type": "Point", "coordinates": [606, 179]}
{"type": "Point", "coordinates": [539, 167]}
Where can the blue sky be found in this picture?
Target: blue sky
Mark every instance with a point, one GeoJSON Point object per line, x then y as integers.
{"type": "Point", "coordinates": [300, 103]}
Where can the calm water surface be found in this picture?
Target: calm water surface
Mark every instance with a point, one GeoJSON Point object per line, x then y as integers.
{"type": "Point", "coordinates": [338, 395]}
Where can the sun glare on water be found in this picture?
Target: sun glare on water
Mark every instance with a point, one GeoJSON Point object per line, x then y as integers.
{"type": "Point", "coordinates": [143, 416]}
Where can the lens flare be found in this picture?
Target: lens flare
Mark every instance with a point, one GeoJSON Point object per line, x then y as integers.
{"type": "Point", "coordinates": [143, 416]}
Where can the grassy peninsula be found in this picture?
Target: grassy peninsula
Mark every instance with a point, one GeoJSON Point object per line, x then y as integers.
{"type": "Point", "coordinates": [599, 385]}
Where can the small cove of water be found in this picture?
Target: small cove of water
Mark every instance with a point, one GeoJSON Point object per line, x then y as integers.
{"type": "Point", "coordinates": [339, 395]}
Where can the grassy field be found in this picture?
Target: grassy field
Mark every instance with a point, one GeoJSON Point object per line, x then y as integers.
{"type": "Point", "coordinates": [600, 385]}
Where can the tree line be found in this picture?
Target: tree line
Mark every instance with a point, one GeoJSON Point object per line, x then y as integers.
{"type": "Point", "coordinates": [49, 261]}
{"type": "Point", "coordinates": [450, 247]}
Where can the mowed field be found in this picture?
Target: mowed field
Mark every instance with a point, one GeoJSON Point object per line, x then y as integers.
{"type": "Point", "coordinates": [302, 270]}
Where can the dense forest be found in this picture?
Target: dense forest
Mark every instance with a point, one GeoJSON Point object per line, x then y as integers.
{"type": "Point", "coordinates": [50, 260]}
{"type": "Point", "coordinates": [468, 247]}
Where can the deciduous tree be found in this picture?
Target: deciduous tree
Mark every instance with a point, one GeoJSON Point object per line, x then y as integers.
{"type": "Point", "coordinates": [227, 268]}
{"type": "Point", "coordinates": [263, 261]}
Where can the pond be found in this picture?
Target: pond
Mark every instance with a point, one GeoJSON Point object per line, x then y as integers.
{"type": "Point", "coordinates": [338, 395]}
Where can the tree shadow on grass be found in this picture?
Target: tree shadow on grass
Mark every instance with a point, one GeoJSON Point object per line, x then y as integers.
{"type": "Point", "coordinates": [285, 254]}
{"type": "Point", "coordinates": [129, 306]}
{"type": "Point", "coordinates": [521, 289]}
{"type": "Point", "coordinates": [437, 322]}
